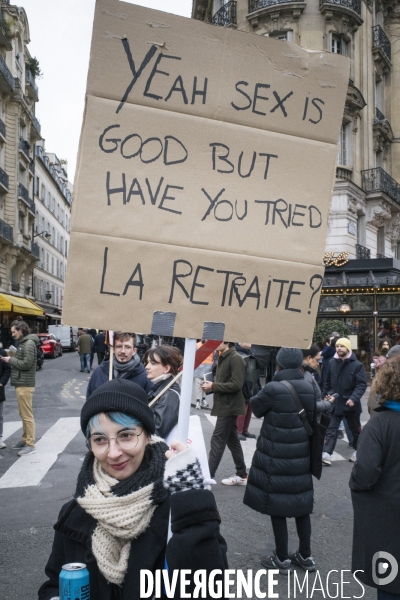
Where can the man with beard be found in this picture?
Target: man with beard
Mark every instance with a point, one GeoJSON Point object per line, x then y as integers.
{"type": "Point", "coordinates": [126, 365]}
{"type": "Point", "coordinates": [346, 378]}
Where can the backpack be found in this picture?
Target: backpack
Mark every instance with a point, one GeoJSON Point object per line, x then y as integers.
{"type": "Point", "coordinates": [252, 383]}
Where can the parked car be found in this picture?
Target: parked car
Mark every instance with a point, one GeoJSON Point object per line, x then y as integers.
{"type": "Point", "coordinates": [50, 345]}
{"type": "Point", "coordinates": [68, 336]}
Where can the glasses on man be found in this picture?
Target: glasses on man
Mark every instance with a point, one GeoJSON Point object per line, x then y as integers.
{"type": "Point", "coordinates": [127, 439]}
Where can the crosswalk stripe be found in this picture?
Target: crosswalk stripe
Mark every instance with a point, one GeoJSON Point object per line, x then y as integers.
{"type": "Point", "coordinates": [30, 470]}
{"type": "Point", "coordinates": [10, 427]}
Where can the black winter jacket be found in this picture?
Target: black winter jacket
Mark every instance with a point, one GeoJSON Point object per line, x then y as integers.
{"type": "Point", "coordinates": [5, 372]}
{"type": "Point", "coordinates": [375, 492]}
{"type": "Point", "coordinates": [348, 379]}
{"type": "Point", "coordinates": [166, 409]}
{"type": "Point", "coordinates": [327, 354]}
{"type": "Point", "coordinates": [280, 482]}
{"type": "Point", "coordinates": [100, 376]}
{"type": "Point", "coordinates": [195, 544]}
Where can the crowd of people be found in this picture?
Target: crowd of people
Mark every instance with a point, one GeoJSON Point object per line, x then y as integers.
{"type": "Point", "coordinates": [131, 480]}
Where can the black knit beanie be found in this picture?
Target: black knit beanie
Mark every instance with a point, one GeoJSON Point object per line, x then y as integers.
{"type": "Point", "coordinates": [119, 395]}
{"type": "Point", "coordinates": [289, 358]}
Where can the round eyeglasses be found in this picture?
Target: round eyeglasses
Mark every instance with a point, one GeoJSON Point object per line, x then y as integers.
{"type": "Point", "coordinates": [127, 439]}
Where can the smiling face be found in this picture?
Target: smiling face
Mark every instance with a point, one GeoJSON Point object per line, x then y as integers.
{"type": "Point", "coordinates": [118, 462]}
{"type": "Point", "coordinates": [155, 368]}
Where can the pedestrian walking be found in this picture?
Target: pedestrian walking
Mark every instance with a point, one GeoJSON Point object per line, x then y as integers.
{"type": "Point", "coordinates": [162, 364]}
{"type": "Point", "coordinates": [92, 333]}
{"type": "Point", "coordinates": [280, 482]}
{"type": "Point", "coordinates": [378, 360]}
{"type": "Point", "coordinates": [326, 356]}
{"type": "Point", "coordinates": [100, 346]}
{"type": "Point", "coordinates": [84, 349]}
{"type": "Point", "coordinates": [199, 375]}
{"type": "Point", "coordinates": [228, 404]}
{"type": "Point", "coordinates": [375, 489]}
{"type": "Point", "coordinates": [117, 523]}
{"type": "Point", "coordinates": [5, 372]}
{"type": "Point", "coordinates": [126, 365]}
{"type": "Point", "coordinates": [347, 378]}
{"type": "Point", "coordinates": [23, 377]}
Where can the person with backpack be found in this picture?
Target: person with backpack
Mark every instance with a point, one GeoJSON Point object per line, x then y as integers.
{"type": "Point", "coordinates": [228, 404]}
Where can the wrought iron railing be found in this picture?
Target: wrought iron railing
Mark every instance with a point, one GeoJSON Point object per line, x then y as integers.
{"type": "Point", "coordinates": [362, 252]}
{"type": "Point", "coordinates": [32, 206]}
{"type": "Point", "coordinates": [226, 15]}
{"type": "Point", "coordinates": [378, 180]}
{"type": "Point", "coordinates": [354, 5]}
{"type": "Point", "coordinates": [4, 178]}
{"type": "Point", "coordinates": [24, 146]}
{"type": "Point", "coordinates": [32, 166]}
{"type": "Point", "coordinates": [6, 231]}
{"type": "Point", "coordinates": [257, 4]}
{"type": "Point", "coordinates": [381, 40]}
{"type": "Point", "coordinates": [379, 115]}
{"type": "Point", "coordinates": [2, 128]}
{"type": "Point", "coordinates": [36, 123]}
{"type": "Point", "coordinates": [29, 78]}
{"type": "Point", "coordinates": [23, 193]}
{"type": "Point", "coordinates": [5, 71]}
{"type": "Point", "coordinates": [35, 249]}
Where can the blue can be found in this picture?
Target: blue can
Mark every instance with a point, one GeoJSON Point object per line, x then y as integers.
{"type": "Point", "coordinates": [74, 582]}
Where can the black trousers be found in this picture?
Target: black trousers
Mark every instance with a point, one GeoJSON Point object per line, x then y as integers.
{"type": "Point", "coordinates": [225, 434]}
{"type": "Point", "coordinates": [303, 526]}
{"type": "Point", "coordinates": [353, 421]}
{"type": "Point", "coordinates": [100, 357]}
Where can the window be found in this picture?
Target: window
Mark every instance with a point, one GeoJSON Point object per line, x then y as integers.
{"type": "Point", "coordinates": [21, 222]}
{"type": "Point", "coordinates": [47, 262]}
{"type": "Point", "coordinates": [36, 186]}
{"type": "Point", "coordinates": [66, 248]}
{"type": "Point", "coordinates": [338, 45]}
{"type": "Point", "coordinates": [379, 94]}
{"type": "Point", "coordinates": [52, 265]}
{"type": "Point", "coordinates": [344, 155]}
{"type": "Point", "coordinates": [42, 193]}
{"type": "Point", "coordinates": [380, 241]}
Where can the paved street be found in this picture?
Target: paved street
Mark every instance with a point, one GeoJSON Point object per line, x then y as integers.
{"type": "Point", "coordinates": [32, 490]}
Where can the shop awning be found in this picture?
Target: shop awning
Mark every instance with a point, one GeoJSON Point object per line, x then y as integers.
{"type": "Point", "coordinates": [53, 316]}
{"type": "Point", "coordinates": [23, 306]}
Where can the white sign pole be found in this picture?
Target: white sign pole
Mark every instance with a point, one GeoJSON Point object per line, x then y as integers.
{"type": "Point", "coordinates": [186, 389]}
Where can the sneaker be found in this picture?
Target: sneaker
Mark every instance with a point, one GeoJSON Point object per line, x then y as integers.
{"type": "Point", "coordinates": [204, 403]}
{"type": "Point", "coordinates": [249, 435]}
{"type": "Point", "coordinates": [308, 564]}
{"type": "Point", "coordinates": [27, 450]}
{"type": "Point", "coordinates": [353, 457]}
{"type": "Point", "coordinates": [2, 444]}
{"type": "Point", "coordinates": [198, 405]}
{"type": "Point", "coordinates": [241, 437]}
{"type": "Point", "coordinates": [18, 445]}
{"type": "Point", "coordinates": [326, 458]}
{"type": "Point", "coordinates": [235, 480]}
{"type": "Point", "coordinates": [273, 562]}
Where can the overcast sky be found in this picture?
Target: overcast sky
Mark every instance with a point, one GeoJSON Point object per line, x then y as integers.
{"type": "Point", "coordinates": [60, 34]}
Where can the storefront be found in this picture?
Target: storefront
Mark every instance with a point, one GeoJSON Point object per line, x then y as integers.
{"type": "Point", "coordinates": [12, 307]}
{"type": "Point", "coordinates": [365, 294]}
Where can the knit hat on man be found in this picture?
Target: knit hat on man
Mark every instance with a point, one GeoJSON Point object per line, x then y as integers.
{"type": "Point", "coordinates": [344, 342]}
{"type": "Point", "coordinates": [290, 358]}
{"type": "Point", "coordinates": [119, 395]}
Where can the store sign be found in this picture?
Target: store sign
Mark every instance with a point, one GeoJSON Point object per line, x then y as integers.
{"type": "Point", "coordinates": [197, 198]}
{"type": "Point", "coordinates": [330, 260]}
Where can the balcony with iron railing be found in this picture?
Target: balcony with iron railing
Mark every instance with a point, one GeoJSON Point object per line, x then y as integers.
{"type": "Point", "coordinates": [226, 15]}
{"type": "Point", "coordinates": [6, 231]}
{"type": "Point", "coordinates": [31, 85]}
{"type": "Point", "coordinates": [32, 166]}
{"type": "Point", "coordinates": [362, 252]}
{"type": "Point", "coordinates": [377, 180]}
{"type": "Point", "coordinates": [7, 83]}
{"type": "Point", "coordinates": [351, 8]}
{"type": "Point", "coordinates": [23, 194]}
{"type": "Point", "coordinates": [259, 9]}
{"type": "Point", "coordinates": [381, 46]}
{"type": "Point", "coordinates": [3, 181]}
{"type": "Point", "coordinates": [24, 147]}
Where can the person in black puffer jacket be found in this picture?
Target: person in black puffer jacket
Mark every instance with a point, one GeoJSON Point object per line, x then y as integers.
{"type": "Point", "coordinates": [162, 364]}
{"type": "Point", "coordinates": [280, 482]}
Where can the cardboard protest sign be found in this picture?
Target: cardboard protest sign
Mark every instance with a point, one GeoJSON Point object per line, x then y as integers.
{"type": "Point", "coordinates": [205, 171]}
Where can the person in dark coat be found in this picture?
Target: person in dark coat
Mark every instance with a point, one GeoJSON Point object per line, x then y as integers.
{"type": "Point", "coordinates": [347, 378]}
{"type": "Point", "coordinates": [280, 482]}
{"type": "Point", "coordinates": [5, 373]}
{"type": "Point", "coordinates": [326, 356]}
{"type": "Point", "coordinates": [375, 489]}
{"type": "Point", "coordinates": [162, 364]}
{"type": "Point", "coordinates": [100, 346]}
{"type": "Point", "coordinates": [126, 365]}
{"type": "Point", "coordinates": [311, 358]}
{"type": "Point", "coordinates": [117, 523]}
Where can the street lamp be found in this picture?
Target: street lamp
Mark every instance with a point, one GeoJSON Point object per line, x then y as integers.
{"type": "Point", "coordinates": [44, 234]}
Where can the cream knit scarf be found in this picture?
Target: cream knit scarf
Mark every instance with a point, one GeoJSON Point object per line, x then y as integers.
{"type": "Point", "coordinates": [120, 518]}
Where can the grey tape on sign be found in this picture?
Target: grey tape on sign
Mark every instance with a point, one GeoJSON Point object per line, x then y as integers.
{"type": "Point", "coordinates": [213, 331]}
{"type": "Point", "coordinates": [163, 323]}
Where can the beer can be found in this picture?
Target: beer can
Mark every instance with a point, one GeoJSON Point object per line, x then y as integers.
{"type": "Point", "coordinates": [74, 582]}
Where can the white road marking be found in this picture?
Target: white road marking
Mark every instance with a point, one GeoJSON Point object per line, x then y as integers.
{"type": "Point", "coordinates": [30, 470]}
{"type": "Point", "coordinates": [11, 427]}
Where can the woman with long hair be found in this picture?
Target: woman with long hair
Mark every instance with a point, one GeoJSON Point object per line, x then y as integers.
{"type": "Point", "coordinates": [375, 489]}
{"type": "Point", "coordinates": [162, 364]}
{"type": "Point", "coordinates": [117, 523]}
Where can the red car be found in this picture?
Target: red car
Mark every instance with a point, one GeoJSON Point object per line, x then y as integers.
{"type": "Point", "coordinates": [50, 345]}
